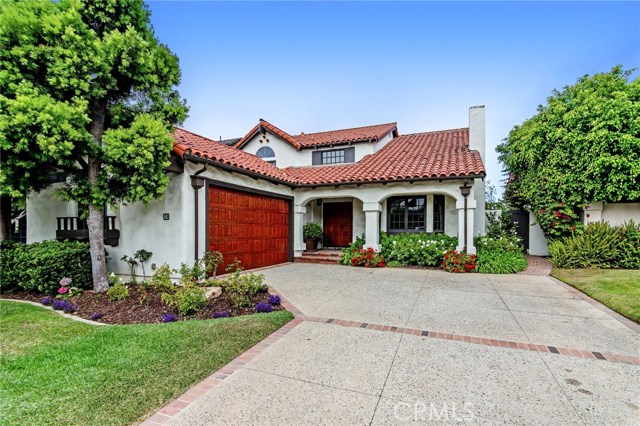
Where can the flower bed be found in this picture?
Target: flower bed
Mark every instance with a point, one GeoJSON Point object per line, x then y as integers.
{"type": "Point", "coordinates": [160, 299]}
{"type": "Point", "coordinates": [143, 306]}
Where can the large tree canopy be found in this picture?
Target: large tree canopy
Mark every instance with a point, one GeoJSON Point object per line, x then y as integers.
{"type": "Point", "coordinates": [582, 146]}
{"type": "Point", "coordinates": [86, 88]}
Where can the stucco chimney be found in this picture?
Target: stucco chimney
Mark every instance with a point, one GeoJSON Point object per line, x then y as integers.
{"type": "Point", "coordinates": [476, 129]}
{"type": "Point", "coordinates": [476, 142]}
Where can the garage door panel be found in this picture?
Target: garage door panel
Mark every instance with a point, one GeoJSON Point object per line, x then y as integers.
{"type": "Point", "coordinates": [250, 227]}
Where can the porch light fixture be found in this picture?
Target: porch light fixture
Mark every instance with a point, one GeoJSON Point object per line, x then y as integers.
{"type": "Point", "coordinates": [465, 190]}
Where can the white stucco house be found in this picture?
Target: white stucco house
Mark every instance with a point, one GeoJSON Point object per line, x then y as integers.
{"type": "Point", "coordinates": [250, 198]}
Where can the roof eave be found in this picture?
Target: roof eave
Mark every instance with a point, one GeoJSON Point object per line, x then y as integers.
{"type": "Point", "coordinates": [362, 182]}
{"type": "Point", "coordinates": [240, 170]}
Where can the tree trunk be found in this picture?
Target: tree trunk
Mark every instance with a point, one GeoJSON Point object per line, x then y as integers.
{"type": "Point", "coordinates": [95, 221]}
{"type": "Point", "coordinates": [5, 218]}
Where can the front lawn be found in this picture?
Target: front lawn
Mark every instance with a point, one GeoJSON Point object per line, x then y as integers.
{"type": "Point", "coordinates": [619, 289]}
{"type": "Point", "coordinates": [55, 370]}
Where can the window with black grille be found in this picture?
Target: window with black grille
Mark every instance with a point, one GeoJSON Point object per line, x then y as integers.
{"type": "Point", "coordinates": [335, 156]}
{"type": "Point", "coordinates": [438, 213]}
{"type": "Point", "coordinates": [406, 214]}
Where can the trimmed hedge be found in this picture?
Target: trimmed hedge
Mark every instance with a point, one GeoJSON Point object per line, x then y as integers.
{"type": "Point", "coordinates": [41, 266]}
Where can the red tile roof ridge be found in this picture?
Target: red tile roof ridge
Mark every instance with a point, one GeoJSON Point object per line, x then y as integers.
{"type": "Point", "coordinates": [435, 131]}
{"type": "Point", "coordinates": [393, 123]}
{"type": "Point", "coordinates": [273, 129]}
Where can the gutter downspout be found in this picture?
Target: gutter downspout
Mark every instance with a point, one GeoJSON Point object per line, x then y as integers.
{"type": "Point", "coordinates": [197, 183]}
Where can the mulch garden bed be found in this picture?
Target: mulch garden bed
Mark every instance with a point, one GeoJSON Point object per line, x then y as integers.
{"type": "Point", "coordinates": [142, 306]}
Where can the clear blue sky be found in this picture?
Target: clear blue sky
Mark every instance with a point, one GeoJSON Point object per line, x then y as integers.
{"type": "Point", "coordinates": [321, 66]}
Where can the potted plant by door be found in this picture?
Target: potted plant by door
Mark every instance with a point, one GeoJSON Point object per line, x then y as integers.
{"type": "Point", "coordinates": [312, 233]}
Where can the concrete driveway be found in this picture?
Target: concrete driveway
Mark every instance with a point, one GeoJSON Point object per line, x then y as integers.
{"type": "Point", "coordinates": [400, 346]}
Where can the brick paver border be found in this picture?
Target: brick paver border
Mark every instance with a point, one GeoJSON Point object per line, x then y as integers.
{"type": "Point", "coordinates": [579, 353]}
{"type": "Point", "coordinates": [537, 265]}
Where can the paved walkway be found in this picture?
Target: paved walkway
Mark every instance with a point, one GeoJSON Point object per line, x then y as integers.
{"type": "Point", "coordinates": [399, 346]}
{"type": "Point", "coordinates": [537, 265]}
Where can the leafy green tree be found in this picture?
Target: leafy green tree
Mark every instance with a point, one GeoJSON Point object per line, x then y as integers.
{"type": "Point", "coordinates": [86, 88]}
{"type": "Point", "coordinates": [582, 146]}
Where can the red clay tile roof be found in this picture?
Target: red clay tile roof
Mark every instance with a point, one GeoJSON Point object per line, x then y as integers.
{"type": "Point", "coordinates": [430, 155]}
{"type": "Point", "coordinates": [344, 136]}
{"type": "Point", "coordinates": [187, 143]}
{"type": "Point", "coordinates": [427, 155]}
{"type": "Point", "coordinates": [273, 129]}
{"type": "Point", "coordinates": [332, 137]}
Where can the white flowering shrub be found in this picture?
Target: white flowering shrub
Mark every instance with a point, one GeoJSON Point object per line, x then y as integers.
{"type": "Point", "coordinates": [423, 249]}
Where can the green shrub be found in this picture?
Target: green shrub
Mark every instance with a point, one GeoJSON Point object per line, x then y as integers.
{"type": "Point", "coordinates": [118, 291]}
{"type": "Point", "coordinates": [499, 261]}
{"type": "Point", "coordinates": [597, 247]}
{"type": "Point", "coordinates": [161, 279]}
{"type": "Point", "coordinates": [8, 271]}
{"type": "Point", "coordinates": [41, 266]}
{"type": "Point", "coordinates": [423, 249]}
{"type": "Point", "coordinates": [312, 231]}
{"type": "Point", "coordinates": [351, 251]}
{"type": "Point", "coordinates": [629, 247]}
{"type": "Point", "coordinates": [242, 287]}
{"type": "Point", "coordinates": [504, 242]}
{"type": "Point", "coordinates": [600, 245]}
{"type": "Point", "coordinates": [187, 299]}
{"type": "Point", "coordinates": [192, 274]}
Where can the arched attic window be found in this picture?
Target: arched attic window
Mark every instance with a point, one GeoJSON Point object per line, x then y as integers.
{"type": "Point", "coordinates": [267, 154]}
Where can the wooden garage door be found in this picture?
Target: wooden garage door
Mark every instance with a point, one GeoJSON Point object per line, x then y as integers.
{"type": "Point", "coordinates": [253, 228]}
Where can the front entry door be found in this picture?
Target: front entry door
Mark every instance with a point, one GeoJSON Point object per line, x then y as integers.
{"type": "Point", "coordinates": [338, 223]}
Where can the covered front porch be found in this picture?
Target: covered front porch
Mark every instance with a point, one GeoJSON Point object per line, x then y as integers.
{"type": "Point", "coordinates": [346, 212]}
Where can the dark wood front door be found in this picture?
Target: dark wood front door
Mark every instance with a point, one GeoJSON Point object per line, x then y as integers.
{"type": "Point", "coordinates": [338, 223]}
{"type": "Point", "coordinates": [250, 227]}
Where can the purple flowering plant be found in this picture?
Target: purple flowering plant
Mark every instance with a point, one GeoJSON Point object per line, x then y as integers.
{"type": "Point", "coordinates": [169, 317]}
{"type": "Point", "coordinates": [221, 314]}
{"type": "Point", "coordinates": [263, 307]}
{"type": "Point", "coordinates": [47, 301]}
{"type": "Point", "coordinates": [274, 300]}
{"type": "Point", "coordinates": [64, 305]}
{"type": "Point", "coordinates": [96, 316]}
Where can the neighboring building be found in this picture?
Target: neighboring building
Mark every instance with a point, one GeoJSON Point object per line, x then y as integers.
{"type": "Point", "coordinates": [250, 198]}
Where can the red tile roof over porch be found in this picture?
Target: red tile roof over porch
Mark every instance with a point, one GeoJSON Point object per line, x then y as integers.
{"type": "Point", "coordinates": [418, 156]}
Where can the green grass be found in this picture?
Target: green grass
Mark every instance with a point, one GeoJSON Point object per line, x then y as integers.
{"type": "Point", "coordinates": [619, 289]}
{"type": "Point", "coordinates": [55, 370]}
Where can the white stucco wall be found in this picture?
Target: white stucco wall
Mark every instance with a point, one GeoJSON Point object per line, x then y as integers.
{"type": "Point", "coordinates": [42, 209]}
{"type": "Point", "coordinates": [287, 155]}
{"type": "Point", "coordinates": [537, 240]}
{"type": "Point", "coordinates": [143, 227]}
{"type": "Point", "coordinates": [614, 213]}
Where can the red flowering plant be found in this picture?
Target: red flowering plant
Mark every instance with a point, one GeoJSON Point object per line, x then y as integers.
{"type": "Point", "coordinates": [369, 258]}
{"type": "Point", "coordinates": [558, 220]}
{"type": "Point", "coordinates": [458, 262]}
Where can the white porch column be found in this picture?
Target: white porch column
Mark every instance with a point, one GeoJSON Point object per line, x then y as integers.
{"type": "Point", "coordinates": [429, 217]}
{"type": "Point", "coordinates": [471, 206]}
{"type": "Point", "coordinates": [372, 225]}
{"type": "Point", "coordinates": [299, 213]}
